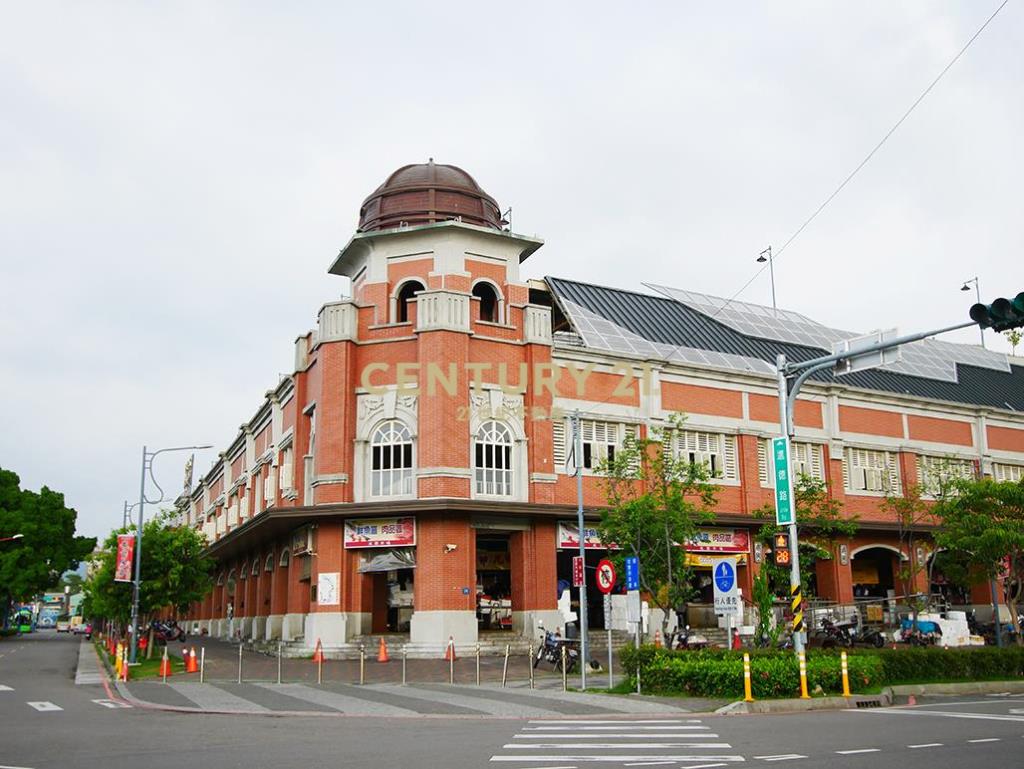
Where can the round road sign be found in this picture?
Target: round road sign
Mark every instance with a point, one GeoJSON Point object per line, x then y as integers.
{"type": "Point", "coordinates": [605, 576]}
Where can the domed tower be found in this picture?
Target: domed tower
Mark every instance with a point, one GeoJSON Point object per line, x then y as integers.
{"type": "Point", "coordinates": [426, 193]}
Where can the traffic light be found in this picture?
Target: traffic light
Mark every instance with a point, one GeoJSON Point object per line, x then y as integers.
{"type": "Point", "coordinates": [1001, 315]}
{"type": "Point", "coordinates": [781, 550]}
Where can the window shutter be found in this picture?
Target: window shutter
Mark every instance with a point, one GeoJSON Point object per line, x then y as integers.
{"type": "Point", "coordinates": [729, 457]}
{"type": "Point", "coordinates": [762, 461]}
{"type": "Point", "coordinates": [286, 477]}
{"type": "Point", "coordinates": [558, 444]}
{"type": "Point", "coordinates": [893, 471]}
{"type": "Point", "coordinates": [817, 462]}
{"type": "Point", "coordinates": [846, 469]}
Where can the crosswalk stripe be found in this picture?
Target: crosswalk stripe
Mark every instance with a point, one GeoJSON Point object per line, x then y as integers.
{"type": "Point", "coordinates": [621, 725]}
{"type": "Point", "coordinates": [615, 745]}
{"type": "Point", "coordinates": [4, 688]}
{"type": "Point", "coordinates": [606, 735]}
{"type": "Point", "coordinates": [618, 721]}
{"type": "Point", "coordinates": [594, 758]}
{"type": "Point", "coordinates": [112, 704]}
{"type": "Point", "coordinates": [44, 707]}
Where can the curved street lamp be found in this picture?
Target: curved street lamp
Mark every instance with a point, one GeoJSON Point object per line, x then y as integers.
{"type": "Point", "coordinates": [12, 537]}
{"type": "Point", "coordinates": [147, 466]}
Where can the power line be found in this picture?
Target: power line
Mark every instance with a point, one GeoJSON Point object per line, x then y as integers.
{"type": "Point", "coordinates": [867, 157]}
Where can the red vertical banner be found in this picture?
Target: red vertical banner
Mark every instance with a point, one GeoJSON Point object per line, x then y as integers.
{"type": "Point", "coordinates": [125, 556]}
{"type": "Point", "coordinates": [577, 571]}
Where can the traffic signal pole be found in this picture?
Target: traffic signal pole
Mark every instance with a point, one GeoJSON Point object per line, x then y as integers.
{"type": "Point", "coordinates": [791, 377]}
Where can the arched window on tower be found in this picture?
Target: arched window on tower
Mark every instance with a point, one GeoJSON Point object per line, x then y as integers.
{"type": "Point", "coordinates": [406, 294]}
{"type": "Point", "coordinates": [391, 463]}
{"type": "Point", "coordinates": [488, 297]}
{"type": "Point", "coordinates": [492, 460]}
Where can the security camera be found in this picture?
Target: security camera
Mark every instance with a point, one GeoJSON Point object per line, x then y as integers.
{"type": "Point", "coordinates": [450, 548]}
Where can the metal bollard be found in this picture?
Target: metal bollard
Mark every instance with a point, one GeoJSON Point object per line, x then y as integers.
{"type": "Point", "coordinates": [279, 648]}
{"type": "Point", "coordinates": [529, 663]}
{"type": "Point", "coordinates": [239, 663]}
{"type": "Point", "coordinates": [320, 670]}
{"type": "Point", "coordinates": [164, 667]}
{"type": "Point", "coordinates": [478, 664]}
{"type": "Point", "coordinates": [362, 664]}
{"type": "Point", "coordinates": [803, 676]}
{"type": "Point", "coordinates": [565, 675]}
{"type": "Point", "coordinates": [504, 669]}
{"type": "Point", "coordinates": [202, 664]}
{"type": "Point", "coordinates": [748, 695]}
{"type": "Point", "coordinates": [451, 662]}
{"type": "Point", "coordinates": [846, 676]}
{"type": "Point", "coordinates": [405, 659]}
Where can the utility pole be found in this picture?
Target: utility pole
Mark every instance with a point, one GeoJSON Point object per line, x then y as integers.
{"type": "Point", "coordinates": [577, 436]}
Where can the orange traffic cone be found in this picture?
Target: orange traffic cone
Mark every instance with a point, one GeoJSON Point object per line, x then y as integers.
{"type": "Point", "coordinates": [657, 639]}
{"type": "Point", "coordinates": [449, 650]}
{"type": "Point", "coordinates": [382, 652]}
{"type": "Point", "coordinates": [191, 666]}
{"type": "Point", "coordinates": [165, 666]}
{"type": "Point", "coordinates": [318, 654]}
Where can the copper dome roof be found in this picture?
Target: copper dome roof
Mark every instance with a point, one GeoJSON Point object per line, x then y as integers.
{"type": "Point", "coordinates": [425, 193]}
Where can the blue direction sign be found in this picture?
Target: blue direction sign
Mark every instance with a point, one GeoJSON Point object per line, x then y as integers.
{"type": "Point", "coordinates": [725, 576]}
{"type": "Point", "coordinates": [783, 482]}
{"type": "Point", "coordinates": [632, 573]}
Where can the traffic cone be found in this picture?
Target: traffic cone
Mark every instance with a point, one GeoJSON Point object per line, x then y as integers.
{"type": "Point", "coordinates": [318, 653]}
{"type": "Point", "coordinates": [124, 665]}
{"type": "Point", "coordinates": [657, 639]}
{"type": "Point", "coordinates": [382, 652]}
{"type": "Point", "coordinates": [165, 666]}
{"type": "Point", "coordinates": [191, 663]}
{"type": "Point", "coordinates": [449, 650]}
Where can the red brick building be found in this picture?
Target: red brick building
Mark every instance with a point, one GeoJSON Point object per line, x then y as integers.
{"type": "Point", "coordinates": [409, 476]}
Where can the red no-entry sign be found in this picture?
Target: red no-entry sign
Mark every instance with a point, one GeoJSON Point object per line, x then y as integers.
{"type": "Point", "coordinates": [605, 576]}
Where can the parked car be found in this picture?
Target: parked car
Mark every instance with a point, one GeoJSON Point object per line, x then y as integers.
{"type": "Point", "coordinates": [63, 626]}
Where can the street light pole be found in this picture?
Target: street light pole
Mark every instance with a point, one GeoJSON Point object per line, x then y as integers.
{"type": "Point", "coordinates": [147, 466]}
{"type": "Point", "coordinates": [977, 291]}
{"type": "Point", "coordinates": [578, 451]}
{"type": "Point", "coordinates": [771, 271]}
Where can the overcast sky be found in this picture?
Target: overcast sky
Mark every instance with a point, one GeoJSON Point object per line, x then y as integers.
{"type": "Point", "coordinates": [175, 179]}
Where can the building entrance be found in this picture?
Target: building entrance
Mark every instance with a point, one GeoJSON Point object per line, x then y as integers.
{"type": "Point", "coordinates": [493, 582]}
{"type": "Point", "coordinates": [391, 577]}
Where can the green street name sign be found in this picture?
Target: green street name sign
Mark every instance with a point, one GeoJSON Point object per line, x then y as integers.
{"type": "Point", "coordinates": [784, 513]}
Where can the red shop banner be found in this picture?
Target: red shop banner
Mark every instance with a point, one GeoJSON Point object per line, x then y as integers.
{"type": "Point", "coordinates": [719, 541]}
{"type": "Point", "coordinates": [125, 556]}
{"type": "Point", "coordinates": [380, 532]}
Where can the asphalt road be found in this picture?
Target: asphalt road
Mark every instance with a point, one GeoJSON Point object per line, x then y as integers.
{"type": "Point", "coordinates": [46, 720]}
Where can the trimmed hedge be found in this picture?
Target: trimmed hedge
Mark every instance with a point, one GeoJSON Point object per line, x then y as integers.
{"type": "Point", "coordinates": [776, 673]}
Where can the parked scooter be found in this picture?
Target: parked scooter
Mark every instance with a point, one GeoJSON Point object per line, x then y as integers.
{"type": "Point", "coordinates": [550, 649]}
{"type": "Point", "coordinates": [164, 631]}
{"type": "Point", "coordinates": [685, 639]}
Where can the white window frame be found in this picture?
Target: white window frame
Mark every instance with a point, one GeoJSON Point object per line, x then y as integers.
{"type": "Point", "coordinates": [871, 472]}
{"type": "Point", "coordinates": [807, 459]}
{"type": "Point", "coordinates": [287, 470]}
{"type": "Point", "coordinates": [601, 439]}
{"type": "Point", "coordinates": [401, 478]}
{"type": "Point", "coordinates": [933, 470]}
{"type": "Point", "coordinates": [717, 451]}
{"type": "Point", "coordinates": [1007, 471]}
{"type": "Point", "coordinates": [498, 479]}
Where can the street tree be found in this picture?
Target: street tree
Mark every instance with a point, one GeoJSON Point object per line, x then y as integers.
{"type": "Point", "coordinates": [657, 500]}
{"type": "Point", "coordinates": [820, 523]}
{"type": "Point", "coordinates": [48, 546]}
{"type": "Point", "coordinates": [1013, 336]}
{"type": "Point", "coordinates": [983, 523]}
{"type": "Point", "coordinates": [176, 572]}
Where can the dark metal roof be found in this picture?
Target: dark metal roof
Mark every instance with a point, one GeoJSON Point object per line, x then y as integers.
{"type": "Point", "coordinates": [663, 320]}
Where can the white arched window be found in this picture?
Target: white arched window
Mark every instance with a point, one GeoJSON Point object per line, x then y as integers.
{"type": "Point", "coordinates": [492, 460]}
{"type": "Point", "coordinates": [391, 464]}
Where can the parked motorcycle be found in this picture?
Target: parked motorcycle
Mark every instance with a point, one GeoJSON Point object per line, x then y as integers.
{"type": "Point", "coordinates": [686, 639]}
{"type": "Point", "coordinates": [832, 634]}
{"type": "Point", "coordinates": [168, 630]}
{"type": "Point", "coordinates": [550, 649]}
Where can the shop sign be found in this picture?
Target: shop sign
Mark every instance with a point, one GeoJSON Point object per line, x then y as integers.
{"type": "Point", "coordinates": [577, 571]}
{"type": "Point", "coordinates": [707, 560]}
{"type": "Point", "coordinates": [569, 537]}
{"type": "Point", "coordinates": [726, 595]}
{"type": "Point", "coordinates": [300, 540]}
{"type": "Point", "coordinates": [719, 541]}
{"type": "Point", "coordinates": [380, 532]}
{"type": "Point", "coordinates": [125, 555]}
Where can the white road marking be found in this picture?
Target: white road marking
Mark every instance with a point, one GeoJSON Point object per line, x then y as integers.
{"type": "Point", "coordinates": [615, 735]}
{"type": "Point", "coordinates": [4, 688]}
{"type": "Point", "coordinates": [43, 707]}
{"type": "Point", "coordinates": [581, 759]}
{"type": "Point", "coordinates": [782, 757]}
{"type": "Point", "coordinates": [940, 713]}
{"type": "Point", "coordinates": [622, 725]}
{"type": "Point", "coordinates": [651, 763]}
{"type": "Point", "coordinates": [989, 739]}
{"type": "Point", "coordinates": [4, 766]}
{"type": "Point", "coordinates": [615, 745]}
{"type": "Point", "coordinates": [927, 745]}
{"type": "Point", "coordinates": [617, 722]}
{"type": "Point", "coordinates": [858, 750]}
{"type": "Point", "coordinates": [1017, 711]}
{"type": "Point", "coordinates": [112, 704]}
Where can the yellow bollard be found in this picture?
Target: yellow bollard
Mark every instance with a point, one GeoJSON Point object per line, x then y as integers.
{"type": "Point", "coordinates": [846, 676]}
{"type": "Point", "coordinates": [117, 660]}
{"type": "Point", "coordinates": [803, 677]}
{"type": "Point", "coordinates": [748, 695]}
